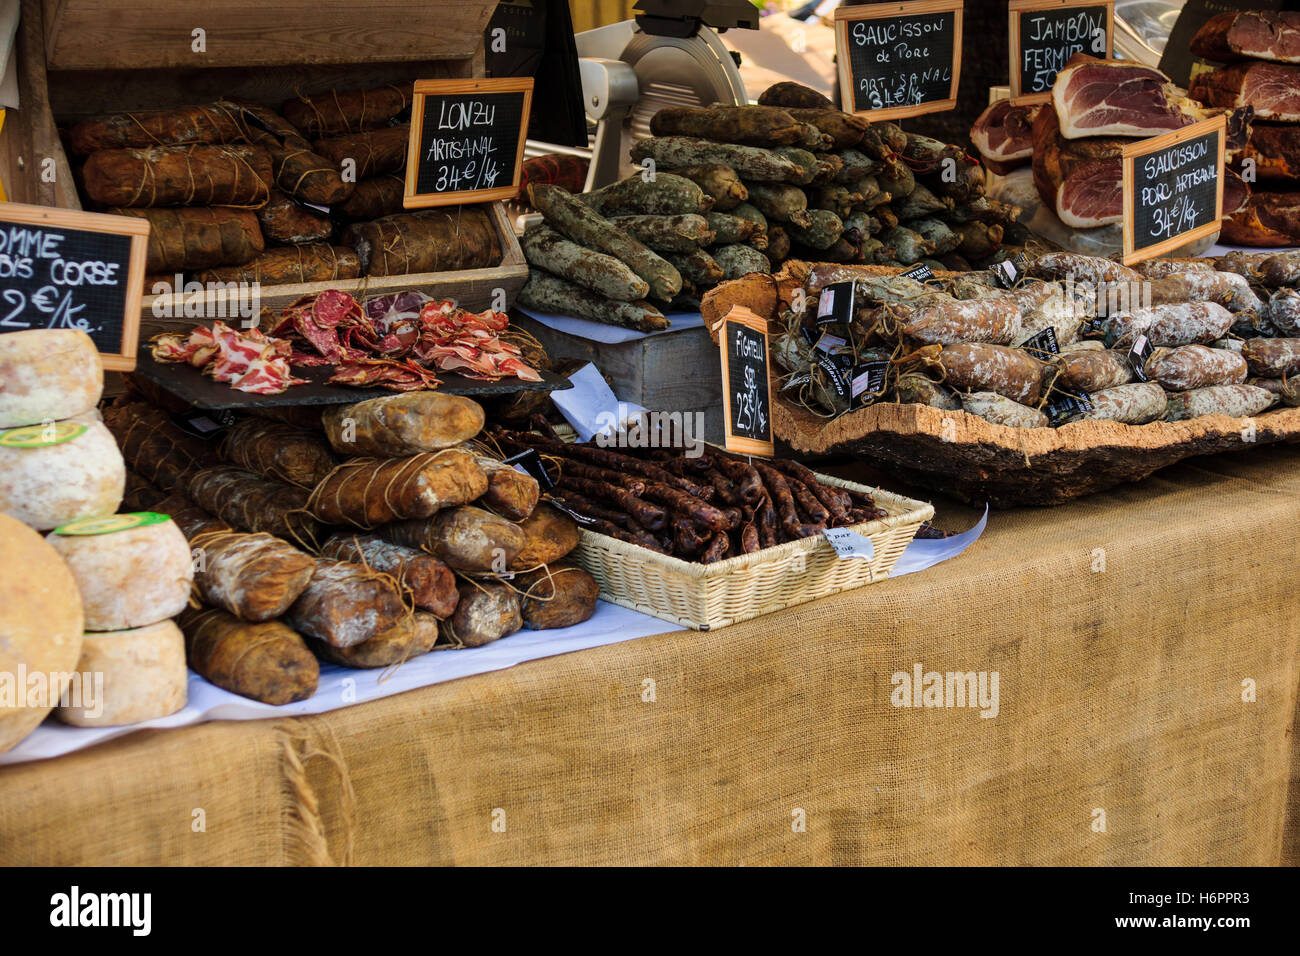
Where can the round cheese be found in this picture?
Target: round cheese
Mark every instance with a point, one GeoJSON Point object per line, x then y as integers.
{"type": "Point", "coordinates": [40, 630]}
{"type": "Point", "coordinates": [124, 677]}
{"type": "Point", "coordinates": [132, 569]}
{"type": "Point", "coordinates": [47, 375]}
{"type": "Point", "coordinates": [53, 474]}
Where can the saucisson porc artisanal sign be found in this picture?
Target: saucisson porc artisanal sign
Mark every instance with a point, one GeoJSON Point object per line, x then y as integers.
{"type": "Point", "coordinates": [746, 383]}
{"type": "Point", "coordinates": [67, 269]}
{"type": "Point", "coordinates": [1173, 189]}
{"type": "Point", "coordinates": [467, 140]}
{"type": "Point", "coordinates": [899, 59]}
{"type": "Point", "coordinates": [1044, 34]}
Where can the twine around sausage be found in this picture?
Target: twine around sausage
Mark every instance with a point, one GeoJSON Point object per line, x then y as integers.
{"type": "Point", "coordinates": [369, 469]}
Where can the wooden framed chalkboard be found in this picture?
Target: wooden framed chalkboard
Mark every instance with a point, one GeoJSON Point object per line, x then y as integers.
{"type": "Point", "coordinates": [66, 269]}
{"type": "Point", "coordinates": [1173, 189]}
{"type": "Point", "coordinates": [1044, 34]}
{"type": "Point", "coordinates": [746, 383]}
{"type": "Point", "coordinates": [899, 59]}
{"type": "Point", "coordinates": [467, 140]}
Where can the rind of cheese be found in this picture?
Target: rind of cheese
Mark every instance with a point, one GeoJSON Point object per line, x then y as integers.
{"type": "Point", "coordinates": [129, 578]}
{"type": "Point", "coordinates": [126, 677]}
{"type": "Point", "coordinates": [48, 375]}
{"type": "Point", "coordinates": [42, 625]}
{"type": "Point", "coordinates": [80, 478]}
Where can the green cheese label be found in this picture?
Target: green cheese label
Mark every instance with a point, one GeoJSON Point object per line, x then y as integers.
{"type": "Point", "coordinates": [41, 436]}
{"type": "Point", "coordinates": [111, 523]}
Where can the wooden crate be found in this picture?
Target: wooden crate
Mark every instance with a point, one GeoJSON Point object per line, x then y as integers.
{"type": "Point", "coordinates": [671, 372]}
{"type": "Point", "coordinates": [79, 58]}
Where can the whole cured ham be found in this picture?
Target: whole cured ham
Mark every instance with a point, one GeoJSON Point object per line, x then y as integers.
{"type": "Point", "coordinates": [1081, 180]}
{"type": "Point", "coordinates": [1120, 98]}
{"type": "Point", "coordinates": [1268, 219]}
{"type": "Point", "coordinates": [1254, 34]}
{"type": "Point", "coordinates": [1004, 135]}
{"type": "Point", "coordinates": [1275, 151]}
{"type": "Point", "coordinates": [1272, 89]}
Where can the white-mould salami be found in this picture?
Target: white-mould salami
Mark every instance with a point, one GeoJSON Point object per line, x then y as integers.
{"type": "Point", "coordinates": [47, 375]}
{"type": "Point", "coordinates": [1272, 358]}
{"type": "Point", "coordinates": [1235, 401]}
{"type": "Point", "coordinates": [42, 623]}
{"type": "Point", "coordinates": [1134, 404]}
{"type": "Point", "coordinates": [977, 366]}
{"type": "Point", "coordinates": [131, 569]}
{"type": "Point", "coordinates": [966, 320]}
{"type": "Point", "coordinates": [1092, 370]}
{"type": "Point", "coordinates": [143, 672]}
{"type": "Point", "coordinates": [50, 475]}
{"type": "Point", "coordinates": [1184, 323]}
{"type": "Point", "coordinates": [1003, 411]}
{"type": "Point", "coordinates": [1194, 366]}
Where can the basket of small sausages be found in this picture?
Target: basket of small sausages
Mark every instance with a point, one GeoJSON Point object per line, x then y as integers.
{"type": "Point", "coordinates": [705, 538]}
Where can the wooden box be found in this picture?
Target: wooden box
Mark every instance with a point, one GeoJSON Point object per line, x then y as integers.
{"type": "Point", "coordinates": [79, 58]}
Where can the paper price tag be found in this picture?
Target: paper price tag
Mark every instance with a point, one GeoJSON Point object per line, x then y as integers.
{"type": "Point", "coordinates": [849, 544]}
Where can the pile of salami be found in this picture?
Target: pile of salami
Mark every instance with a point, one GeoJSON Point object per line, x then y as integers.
{"type": "Point", "coordinates": [732, 190]}
{"type": "Point", "coordinates": [1260, 51]}
{"type": "Point", "coordinates": [1075, 140]}
{"type": "Point", "coordinates": [1067, 337]}
{"type": "Point", "coordinates": [362, 536]}
{"type": "Point", "coordinates": [237, 192]}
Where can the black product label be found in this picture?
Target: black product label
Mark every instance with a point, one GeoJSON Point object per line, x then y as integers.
{"type": "Point", "coordinates": [1138, 355]}
{"type": "Point", "coordinates": [205, 423]}
{"type": "Point", "coordinates": [559, 505]}
{"type": "Point", "coordinates": [921, 273]}
{"type": "Point", "coordinates": [797, 381]}
{"type": "Point", "coordinates": [1093, 328]}
{"type": "Point", "coordinates": [1042, 344]}
{"type": "Point", "coordinates": [836, 374]}
{"type": "Point", "coordinates": [1068, 408]}
{"type": "Point", "coordinates": [867, 383]}
{"type": "Point", "coordinates": [531, 463]}
{"type": "Point", "coordinates": [835, 307]}
{"type": "Point", "coordinates": [1009, 271]}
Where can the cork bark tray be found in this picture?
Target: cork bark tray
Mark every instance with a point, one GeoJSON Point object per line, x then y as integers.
{"type": "Point", "coordinates": [975, 460]}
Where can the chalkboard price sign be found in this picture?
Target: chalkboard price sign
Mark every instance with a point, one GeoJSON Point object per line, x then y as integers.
{"type": "Point", "coordinates": [1173, 189]}
{"type": "Point", "coordinates": [746, 383]}
{"type": "Point", "coordinates": [1044, 34]}
{"type": "Point", "coordinates": [899, 59]}
{"type": "Point", "coordinates": [467, 141]}
{"type": "Point", "coordinates": [66, 269]}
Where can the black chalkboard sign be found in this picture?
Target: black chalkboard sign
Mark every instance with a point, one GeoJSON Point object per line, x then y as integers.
{"type": "Point", "coordinates": [66, 269]}
{"type": "Point", "coordinates": [467, 141]}
{"type": "Point", "coordinates": [1173, 189]}
{"type": "Point", "coordinates": [899, 59]}
{"type": "Point", "coordinates": [746, 383]}
{"type": "Point", "coordinates": [1044, 34]}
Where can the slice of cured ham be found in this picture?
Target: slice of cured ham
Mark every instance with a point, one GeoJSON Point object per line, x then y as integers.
{"type": "Point", "coordinates": [1004, 135]}
{"type": "Point", "coordinates": [1256, 34]}
{"type": "Point", "coordinates": [1119, 98]}
{"type": "Point", "coordinates": [1273, 89]}
{"type": "Point", "coordinates": [1080, 179]}
{"type": "Point", "coordinates": [1275, 151]}
{"type": "Point", "coordinates": [1268, 219]}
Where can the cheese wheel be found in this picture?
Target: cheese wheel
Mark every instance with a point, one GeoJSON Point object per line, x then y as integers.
{"type": "Point", "coordinates": [40, 628]}
{"type": "Point", "coordinates": [131, 569]}
{"type": "Point", "coordinates": [48, 375]}
{"type": "Point", "coordinates": [52, 475]}
{"type": "Point", "coordinates": [124, 677]}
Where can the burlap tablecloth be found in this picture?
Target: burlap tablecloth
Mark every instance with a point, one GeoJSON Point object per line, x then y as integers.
{"type": "Point", "coordinates": [1122, 735]}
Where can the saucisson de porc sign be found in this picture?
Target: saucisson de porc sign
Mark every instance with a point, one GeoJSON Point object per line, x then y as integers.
{"type": "Point", "coordinates": [899, 59]}
{"type": "Point", "coordinates": [746, 383]}
{"type": "Point", "coordinates": [1173, 189]}
{"type": "Point", "coordinates": [67, 269]}
{"type": "Point", "coordinates": [1044, 34]}
{"type": "Point", "coordinates": [467, 141]}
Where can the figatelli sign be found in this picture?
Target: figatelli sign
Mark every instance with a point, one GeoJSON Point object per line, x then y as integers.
{"type": "Point", "coordinates": [65, 269]}
{"type": "Point", "coordinates": [746, 383]}
{"type": "Point", "coordinates": [1173, 189]}
{"type": "Point", "coordinates": [899, 59]}
{"type": "Point", "coordinates": [467, 141]}
{"type": "Point", "coordinates": [1044, 34]}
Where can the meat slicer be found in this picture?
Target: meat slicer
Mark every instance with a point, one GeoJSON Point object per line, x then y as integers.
{"type": "Point", "coordinates": [668, 55]}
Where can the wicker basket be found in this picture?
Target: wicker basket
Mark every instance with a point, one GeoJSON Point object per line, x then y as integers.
{"type": "Point", "coordinates": [704, 596]}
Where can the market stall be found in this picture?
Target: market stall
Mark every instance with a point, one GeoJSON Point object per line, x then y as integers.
{"type": "Point", "coordinates": [377, 487]}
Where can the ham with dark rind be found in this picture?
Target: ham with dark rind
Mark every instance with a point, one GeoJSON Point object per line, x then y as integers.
{"type": "Point", "coordinates": [1254, 34]}
{"type": "Point", "coordinates": [1004, 135]}
{"type": "Point", "coordinates": [1236, 194]}
{"type": "Point", "coordinates": [1079, 179]}
{"type": "Point", "coordinates": [1273, 89]}
{"type": "Point", "coordinates": [1119, 98]}
{"type": "Point", "coordinates": [1269, 219]}
{"type": "Point", "coordinates": [1275, 151]}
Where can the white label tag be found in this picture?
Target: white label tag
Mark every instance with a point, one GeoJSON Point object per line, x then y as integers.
{"type": "Point", "coordinates": [849, 544]}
